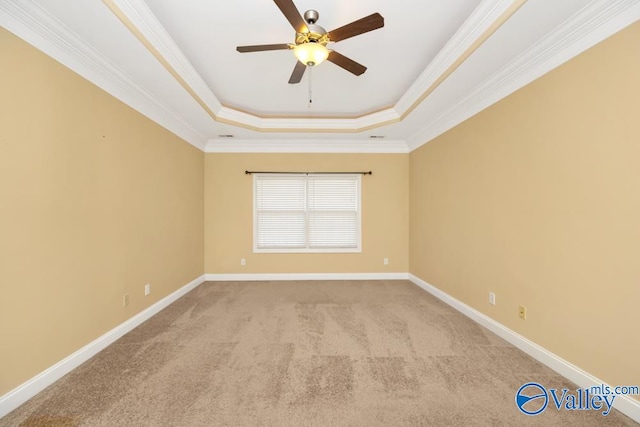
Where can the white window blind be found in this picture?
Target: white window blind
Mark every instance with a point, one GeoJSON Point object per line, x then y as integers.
{"type": "Point", "coordinates": [300, 213]}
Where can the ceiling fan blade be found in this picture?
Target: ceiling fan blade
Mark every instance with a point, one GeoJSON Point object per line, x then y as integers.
{"type": "Point", "coordinates": [348, 64]}
{"type": "Point", "coordinates": [290, 12]}
{"type": "Point", "coordinates": [363, 25]}
{"type": "Point", "coordinates": [262, 47]}
{"type": "Point", "coordinates": [298, 72]}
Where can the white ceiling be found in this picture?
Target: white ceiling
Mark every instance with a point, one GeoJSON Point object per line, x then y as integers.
{"type": "Point", "coordinates": [257, 82]}
{"type": "Point", "coordinates": [431, 66]}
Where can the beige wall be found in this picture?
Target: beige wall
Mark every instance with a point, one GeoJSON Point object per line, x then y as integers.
{"type": "Point", "coordinates": [96, 200]}
{"type": "Point", "coordinates": [229, 213]}
{"type": "Point", "coordinates": [538, 199]}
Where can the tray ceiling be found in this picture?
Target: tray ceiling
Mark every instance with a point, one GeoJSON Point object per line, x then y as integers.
{"type": "Point", "coordinates": [431, 66]}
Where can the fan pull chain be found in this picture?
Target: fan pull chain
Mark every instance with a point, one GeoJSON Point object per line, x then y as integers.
{"type": "Point", "coordinates": [310, 93]}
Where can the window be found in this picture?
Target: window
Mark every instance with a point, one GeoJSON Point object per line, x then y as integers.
{"type": "Point", "coordinates": [306, 213]}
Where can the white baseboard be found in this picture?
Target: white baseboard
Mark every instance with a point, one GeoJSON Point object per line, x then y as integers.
{"type": "Point", "coordinates": [625, 404]}
{"type": "Point", "coordinates": [26, 391]}
{"type": "Point", "coordinates": [35, 385]}
{"type": "Point", "coordinates": [303, 276]}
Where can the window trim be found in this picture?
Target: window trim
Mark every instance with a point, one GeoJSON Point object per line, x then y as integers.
{"type": "Point", "coordinates": [306, 176]}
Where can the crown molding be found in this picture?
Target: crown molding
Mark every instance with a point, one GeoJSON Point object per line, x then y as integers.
{"type": "Point", "coordinates": [144, 25]}
{"type": "Point", "coordinates": [598, 20]}
{"type": "Point", "coordinates": [305, 146]}
{"type": "Point", "coordinates": [479, 22]}
{"type": "Point", "coordinates": [485, 18]}
{"type": "Point", "coordinates": [595, 22]}
{"type": "Point", "coordinates": [305, 124]}
{"type": "Point", "coordinates": [38, 27]}
{"type": "Point", "coordinates": [141, 21]}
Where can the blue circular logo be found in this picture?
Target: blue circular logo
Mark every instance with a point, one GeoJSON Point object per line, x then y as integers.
{"type": "Point", "coordinates": [532, 398]}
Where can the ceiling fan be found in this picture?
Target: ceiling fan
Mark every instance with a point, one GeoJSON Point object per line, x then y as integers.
{"type": "Point", "coordinates": [310, 47]}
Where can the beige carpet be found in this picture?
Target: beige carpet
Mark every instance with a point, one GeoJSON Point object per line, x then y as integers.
{"type": "Point", "coordinates": [375, 353]}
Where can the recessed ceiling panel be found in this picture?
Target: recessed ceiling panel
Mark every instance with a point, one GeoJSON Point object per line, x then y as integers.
{"type": "Point", "coordinates": [208, 33]}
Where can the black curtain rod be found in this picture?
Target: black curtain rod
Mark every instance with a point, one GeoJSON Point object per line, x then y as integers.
{"type": "Point", "coordinates": [311, 173]}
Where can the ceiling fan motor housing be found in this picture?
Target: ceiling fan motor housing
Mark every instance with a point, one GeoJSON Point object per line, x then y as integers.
{"type": "Point", "coordinates": [315, 34]}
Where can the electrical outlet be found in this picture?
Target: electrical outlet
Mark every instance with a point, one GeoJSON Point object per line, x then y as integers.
{"type": "Point", "coordinates": [385, 261]}
{"type": "Point", "coordinates": [522, 312]}
{"type": "Point", "coordinates": [492, 298]}
{"type": "Point", "coordinates": [147, 289]}
{"type": "Point", "coordinates": [125, 300]}
{"type": "Point", "coordinates": [243, 261]}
